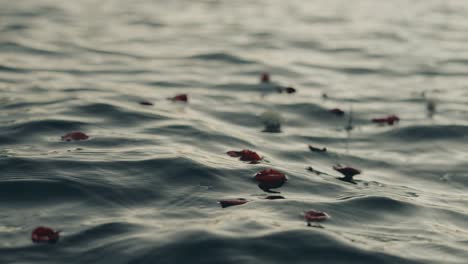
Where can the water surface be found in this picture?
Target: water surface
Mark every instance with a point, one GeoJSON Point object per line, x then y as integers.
{"type": "Point", "coordinates": [144, 187]}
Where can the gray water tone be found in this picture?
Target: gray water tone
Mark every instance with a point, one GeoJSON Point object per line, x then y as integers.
{"type": "Point", "coordinates": [144, 188]}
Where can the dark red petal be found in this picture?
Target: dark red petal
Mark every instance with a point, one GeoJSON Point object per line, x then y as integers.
{"type": "Point", "coordinates": [232, 202]}
{"type": "Point", "coordinates": [44, 234]}
{"type": "Point", "coordinates": [75, 136]}
{"type": "Point", "coordinates": [146, 103]}
{"type": "Point", "coordinates": [245, 155]}
{"type": "Point", "coordinates": [248, 155]}
{"type": "Point", "coordinates": [347, 171]}
{"type": "Point", "coordinates": [337, 111]}
{"type": "Point", "coordinates": [274, 197]}
{"type": "Point", "coordinates": [314, 215]}
{"type": "Point", "coordinates": [393, 119]}
{"type": "Point", "coordinates": [314, 149]}
{"type": "Point", "coordinates": [179, 98]}
{"type": "Point", "coordinates": [270, 176]}
{"type": "Point", "coordinates": [265, 77]}
{"type": "Point", "coordinates": [389, 120]}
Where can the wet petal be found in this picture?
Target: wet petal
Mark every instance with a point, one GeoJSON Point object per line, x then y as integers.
{"type": "Point", "coordinates": [232, 202]}
{"type": "Point", "coordinates": [337, 111]}
{"type": "Point", "coordinates": [179, 98]}
{"type": "Point", "coordinates": [289, 90]}
{"type": "Point", "coordinates": [274, 197]}
{"type": "Point", "coordinates": [265, 78]}
{"type": "Point", "coordinates": [248, 155]}
{"type": "Point", "coordinates": [315, 149]}
{"type": "Point", "coordinates": [146, 103]}
{"type": "Point", "coordinates": [44, 234]}
{"type": "Point", "coordinates": [347, 171]}
{"type": "Point", "coordinates": [245, 155]}
{"type": "Point", "coordinates": [270, 179]}
{"type": "Point", "coordinates": [77, 135]}
{"type": "Point", "coordinates": [313, 216]}
{"type": "Point", "coordinates": [390, 120]}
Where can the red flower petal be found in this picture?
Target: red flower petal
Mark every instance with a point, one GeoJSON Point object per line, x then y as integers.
{"type": "Point", "coordinates": [314, 215]}
{"type": "Point", "coordinates": [245, 155]}
{"type": "Point", "coordinates": [179, 98]}
{"type": "Point", "coordinates": [390, 120]}
{"type": "Point", "coordinates": [348, 172]}
{"type": "Point", "coordinates": [232, 202]}
{"type": "Point", "coordinates": [75, 136]}
{"type": "Point", "coordinates": [274, 197]}
{"type": "Point", "coordinates": [44, 234]}
{"type": "Point", "coordinates": [393, 119]}
{"type": "Point", "coordinates": [248, 155]}
{"type": "Point", "coordinates": [270, 176]}
{"type": "Point", "coordinates": [337, 111]}
{"type": "Point", "coordinates": [146, 103]}
{"type": "Point", "coordinates": [265, 78]}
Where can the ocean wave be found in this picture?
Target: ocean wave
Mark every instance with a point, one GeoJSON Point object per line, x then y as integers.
{"type": "Point", "coordinates": [145, 186]}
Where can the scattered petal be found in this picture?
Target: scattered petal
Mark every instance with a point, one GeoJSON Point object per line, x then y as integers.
{"type": "Point", "coordinates": [179, 98]}
{"type": "Point", "coordinates": [245, 155]}
{"type": "Point", "coordinates": [314, 149]}
{"type": "Point", "coordinates": [390, 120]}
{"type": "Point", "coordinates": [348, 172]}
{"type": "Point", "coordinates": [248, 155]}
{"type": "Point", "coordinates": [274, 197]}
{"type": "Point", "coordinates": [337, 111]}
{"type": "Point", "coordinates": [265, 78]}
{"type": "Point", "coordinates": [146, 103]}
{"type": "Point", "coordinates": [232, 202]}
{"type": "Point", "coordinates": [270, 175]}
{"type": "Point", "coordinates": [75, 136]}
{"type": "Point", "coordinates": [270, 179]}
{"type": "Point", "coordinates": [314, 216]}
{"type": "Point", "coordinates": [431, 108]}
{"type": "Point", "coordinates": [288, 90]}
{"type": "Point", "coordinates": [44, 234]}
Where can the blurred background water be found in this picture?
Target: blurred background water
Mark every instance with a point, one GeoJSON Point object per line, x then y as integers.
{"type": "Point", "coordinates": [144, 187]}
